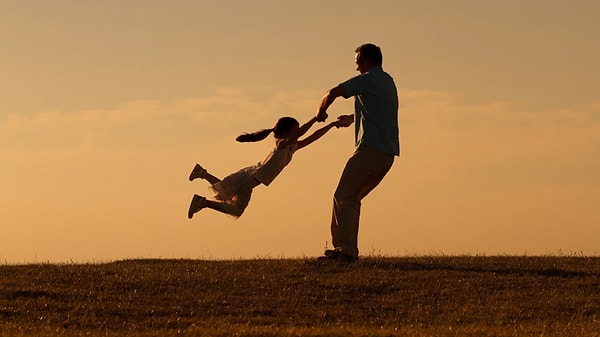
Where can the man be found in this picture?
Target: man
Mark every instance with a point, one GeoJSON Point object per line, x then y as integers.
{"type": "Point", "coordinates": [377, 142]}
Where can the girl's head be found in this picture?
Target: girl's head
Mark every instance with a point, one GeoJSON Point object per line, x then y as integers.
{"type": "Point", "coordinates": [286, 127]}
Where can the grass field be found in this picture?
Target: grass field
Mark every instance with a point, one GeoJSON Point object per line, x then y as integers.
{"type": "Point", "coordinates": [377, 296]}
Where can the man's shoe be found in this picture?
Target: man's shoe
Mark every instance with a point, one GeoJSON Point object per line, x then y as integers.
{"type": "Point", "coordinates": [337, 256]}
{"type": "Point", "coordinates": [197, 204]}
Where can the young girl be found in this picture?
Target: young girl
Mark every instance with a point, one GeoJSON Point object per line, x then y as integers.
{"type": "Point", "coordinates": [233, 193]}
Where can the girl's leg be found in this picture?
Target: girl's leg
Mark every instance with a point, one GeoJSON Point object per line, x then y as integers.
{"type": "Point", "coordinates": [196, 205]}
{"type": "Point", "coordinates": [211, 179]}
{"type": "Point", "coordinates": [200, 172]}
{"type": "Point", "coordinates": [199, 202]}
{"type": "Point", "coordinates": [217, 206]}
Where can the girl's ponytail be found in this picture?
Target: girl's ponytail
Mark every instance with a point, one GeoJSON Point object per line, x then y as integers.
{"type": "Point", "coordinates": [254, 136]}
{"type": "Point", "coordinates": [282, 127]}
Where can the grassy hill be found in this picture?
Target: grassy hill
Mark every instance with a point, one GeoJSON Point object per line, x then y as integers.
{"type": "Point", "coordinates": [377, 296]}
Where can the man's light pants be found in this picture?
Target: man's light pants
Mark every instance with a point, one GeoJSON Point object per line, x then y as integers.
{"type": "Point", "coordinates": [363, 172]}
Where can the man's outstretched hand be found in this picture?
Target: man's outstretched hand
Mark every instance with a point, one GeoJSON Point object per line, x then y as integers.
{"type": "Point", "coordinates": [345, 121]}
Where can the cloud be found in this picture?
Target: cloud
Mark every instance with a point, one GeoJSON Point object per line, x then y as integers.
{"type": "Point", "coordinates": [226, 108]}
{"type": "Point", "coordinates": [499, 141]}
{"type": "Point", "coordinates": [439, 131]}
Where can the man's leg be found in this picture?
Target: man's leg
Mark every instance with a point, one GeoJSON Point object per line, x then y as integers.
{"type": "Point", "coordinates": [363, 172]}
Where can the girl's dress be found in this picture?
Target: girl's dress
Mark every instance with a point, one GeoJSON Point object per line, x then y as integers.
{"type": "Point", "coordinates": [235, 190]}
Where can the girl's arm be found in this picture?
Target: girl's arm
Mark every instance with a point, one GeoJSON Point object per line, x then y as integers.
{"type": "Point", "coordinates": [318, 134]}
{"type": "Point", "coordinates": [304, 128]}
{"type": "Point", "coordinates": [301, 131]}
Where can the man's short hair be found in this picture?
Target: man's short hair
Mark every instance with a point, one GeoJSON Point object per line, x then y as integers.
{"type": "Point", "coordinates": [371, 52]}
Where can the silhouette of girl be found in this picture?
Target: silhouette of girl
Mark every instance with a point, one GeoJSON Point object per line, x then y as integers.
{"type": "Point", "coordinates": [233, 193]}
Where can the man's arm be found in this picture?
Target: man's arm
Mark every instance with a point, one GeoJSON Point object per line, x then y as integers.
{"type": "Point", "coordinates": [327, 100]}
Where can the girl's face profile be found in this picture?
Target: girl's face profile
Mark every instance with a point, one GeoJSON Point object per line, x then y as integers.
{"type": "Point", "coordinates": [293, 133]}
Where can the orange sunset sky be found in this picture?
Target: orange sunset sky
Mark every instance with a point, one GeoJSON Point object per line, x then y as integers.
{"type": "Point", "coordinates": [105, 106]}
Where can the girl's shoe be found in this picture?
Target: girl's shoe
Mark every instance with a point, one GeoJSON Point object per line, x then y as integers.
{"type": "Point", "coordinates": [196, 205]}
{"type": "Point", "coordinates": [198, 172]}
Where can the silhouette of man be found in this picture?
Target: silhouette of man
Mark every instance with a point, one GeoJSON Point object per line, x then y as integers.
{"type": "Point", "coordinates": [377, 142]}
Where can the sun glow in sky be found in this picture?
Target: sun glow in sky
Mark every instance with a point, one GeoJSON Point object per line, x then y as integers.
{"type": "Point", "coordinates": [106, 106]}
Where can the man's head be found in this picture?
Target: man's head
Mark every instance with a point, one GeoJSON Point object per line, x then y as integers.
{"type": "Point", "coordinates": [368, 56]}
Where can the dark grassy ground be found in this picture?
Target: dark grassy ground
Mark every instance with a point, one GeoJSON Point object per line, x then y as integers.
{"type": "Point", "coordinates": [416, 296]}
